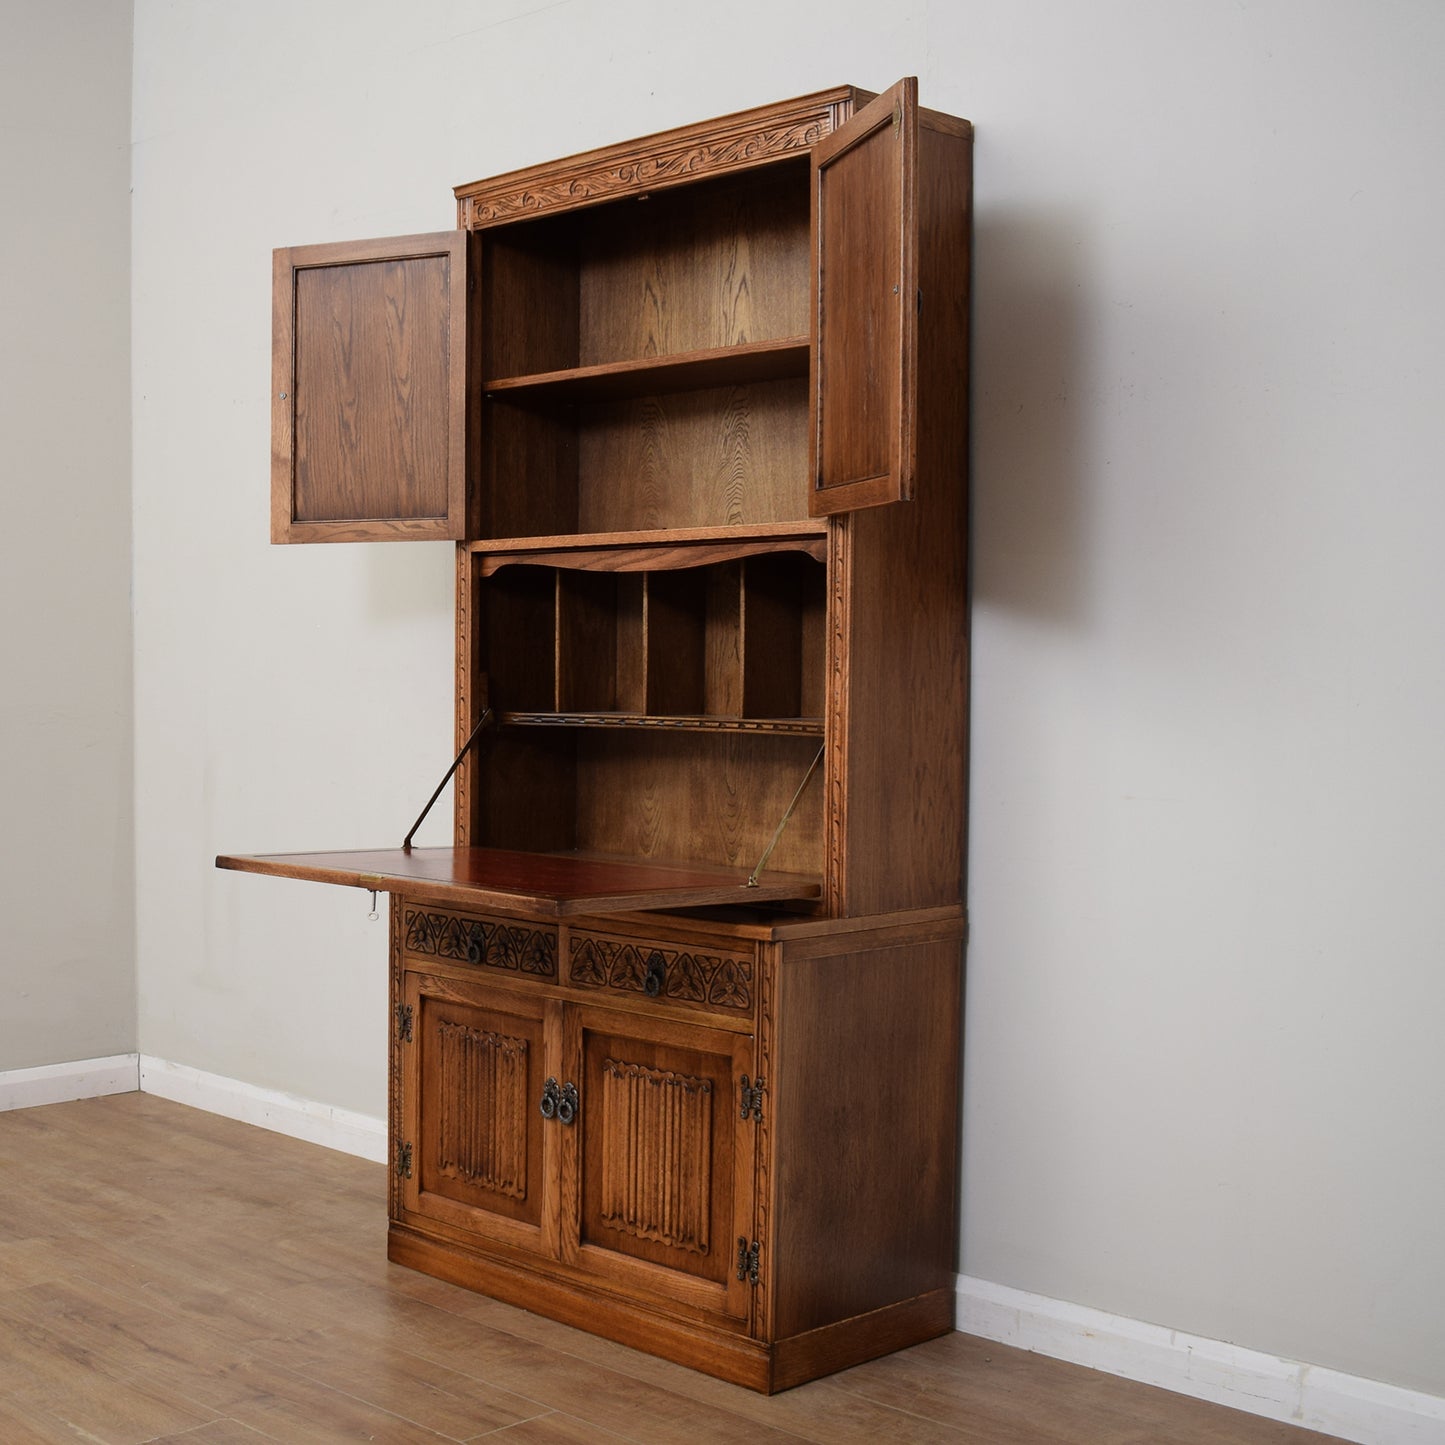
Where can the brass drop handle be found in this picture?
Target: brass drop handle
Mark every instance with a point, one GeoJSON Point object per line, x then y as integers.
{"type": "Point", "coordinates": [559, 1101]}
{"type": "Point", "coordinates": [656, 975]}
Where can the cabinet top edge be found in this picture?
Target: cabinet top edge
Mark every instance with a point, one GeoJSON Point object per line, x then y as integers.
{"type": "Point", "coordinates": [738, 141]}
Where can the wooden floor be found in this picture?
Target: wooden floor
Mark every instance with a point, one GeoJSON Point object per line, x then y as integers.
{"type": "Point", "coordinates": [169, 1275]}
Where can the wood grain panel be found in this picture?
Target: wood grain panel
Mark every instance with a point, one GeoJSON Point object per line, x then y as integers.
{"type": "Point", "coordinates": [715, 797]}
{"type": "Point", "coordinates": [866, 1063]}
{"type": "Point", "coordinates": [676, 642]}
{"type": "Point", "coordinates": [519, 638]}
{"type": "Point", "coordinates": [373, 381]}
{"type": "Point", "coordinates": [780, 592]}
{"type": "Point", "coordinates": [715, 264]}
{"type": "Point", "coordinates": [371, 394]}
{"type": "Point", "coordinates": [712, 458]}
{"type": "Point", "coordinates": [529, 298]}
{"type": "Point", "coordinates": [528, 471]}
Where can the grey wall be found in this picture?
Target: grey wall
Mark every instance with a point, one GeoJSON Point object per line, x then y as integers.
{"type": "Point", "coordinates": [67, 957]}
{"type": "Point", "coordinates": [1203, 1072]}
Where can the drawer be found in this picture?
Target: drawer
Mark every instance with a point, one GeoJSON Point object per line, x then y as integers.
{"type": "Point", "coordinates": [506, 945]}
{"type": "Point", "coordinates": [695, 975]}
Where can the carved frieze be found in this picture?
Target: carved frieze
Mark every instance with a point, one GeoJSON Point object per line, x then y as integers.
{"type": "Point", "coordinates": [639, 173]}
{"type": "Point", "coordinates": [482, 942]}
{"type": "Point", "coordinates": [707, 979]}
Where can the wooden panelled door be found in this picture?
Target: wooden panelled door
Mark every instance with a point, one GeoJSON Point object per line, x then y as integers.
{"type": "Point", "coordinates": [865, 307]}
{"type": "Point", "coordinates": [370, 389]}
{"type": "Point", "coordinates": [473, 1074]}
{"type": "Point", "coordinates": [666, 1187]}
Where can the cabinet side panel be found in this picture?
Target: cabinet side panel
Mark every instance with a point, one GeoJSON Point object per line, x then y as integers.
{"type": "Point", "coordinates": [907, 668]}
{"type": "Point", "coordinates": [864, 1086]}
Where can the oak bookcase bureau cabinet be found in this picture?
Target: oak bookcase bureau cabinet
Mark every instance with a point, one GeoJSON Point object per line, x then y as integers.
{"type": "Point", "coordinates": [693, 409]}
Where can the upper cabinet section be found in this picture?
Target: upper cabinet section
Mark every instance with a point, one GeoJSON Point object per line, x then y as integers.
{"type": "Point", "coordinates": [645, 361]}
{"type": "Point", "coordinates": [370, 390]}
{"type": "Point", "coordinates": [712, 328]}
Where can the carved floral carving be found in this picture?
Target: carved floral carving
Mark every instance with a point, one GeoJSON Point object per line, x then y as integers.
{"type": "Point", "coordinates": [711, 980]}
{"type": "Point", "coordinates": [482, 942]}
{"type": "Point", "coordinates": [638, 173]}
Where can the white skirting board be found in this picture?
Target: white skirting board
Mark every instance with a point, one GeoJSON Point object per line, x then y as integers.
{"type": "Point", "coordinates": [60, 1083]}
{"type": "Point", "coordinates": [351, 1133]}
{"type": "Point", "coordinates": [1319, 1399]}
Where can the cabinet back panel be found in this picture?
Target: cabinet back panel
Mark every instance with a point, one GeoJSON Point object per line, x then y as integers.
{"type": "Point", "coordinates": [720, 457]}
{"type": "Point", "coordinates": [708, 797]}
{"type": "Point", "coordinates": [600, 642]}
{"type": "Point", "coordinates": [527, 791]}
{"type": "Point", "coordinates": [676, 629]}
{"type": "Point", "coordinates": [373, 390]}
{"type": "Point", "coordinates": [715, 264]}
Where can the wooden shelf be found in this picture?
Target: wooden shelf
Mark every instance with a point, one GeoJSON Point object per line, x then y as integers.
{"type": "Point", "coordinates": [650, 375]}
{"type": "Point", "coordinates": [809, 727]}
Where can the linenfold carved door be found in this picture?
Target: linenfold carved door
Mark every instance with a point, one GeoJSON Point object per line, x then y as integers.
{"type": "Point", "coordinates": [474, 1140]}
{"type": "Point", "coordinates": [666, 1186]}
{"type": "Point", "coordinates": [864, 397]}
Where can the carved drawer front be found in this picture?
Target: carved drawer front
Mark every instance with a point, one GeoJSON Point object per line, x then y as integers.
{"type": "Point", "coordinates": [695, 976]}
{"type": "Point", "coordinates": [501, 945]}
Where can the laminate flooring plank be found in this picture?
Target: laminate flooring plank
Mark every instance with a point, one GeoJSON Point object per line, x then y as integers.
{"type": "Point", "coordinates": [442, 1399]}
{"type": "Point", "coordinates": [170, 1275]}
{"type": "Point", "coordinates": [124, 1329]}
{"type": "Point", "coordinates": [606, 1398]}
{"type": "Point", "coordinates": [107, 1411]}
{"type": "Point", "coordinates": [821, 1411]}
{"type": "Point", "coordinates": [218, 1432]}
{"type": "Point", "coordinates": [960, 1376]}
{"type": "Point", "coordinates": [554, 1429]}
{"type": "Point", "coordinates": [20, 1426]}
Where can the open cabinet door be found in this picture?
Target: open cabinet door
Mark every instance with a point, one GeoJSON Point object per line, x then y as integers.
{"type": "Point", "coordinates": [370, 390]}
{"type": "Point", "coordinates": [865, 307]}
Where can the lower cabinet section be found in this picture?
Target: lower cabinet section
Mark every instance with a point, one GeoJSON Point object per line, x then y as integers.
{"type": "Point", "coordinates": [756, 1184]}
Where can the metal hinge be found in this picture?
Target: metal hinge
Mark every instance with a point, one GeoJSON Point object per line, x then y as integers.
{"type": "Point", "coordinates": [403, 1160]}
{"type": "Point", "coordinates": [404, 1017]}
{"type": "Point", "coordinates": [751, 1102]}
{"type": "Point", "coordinates": [748, 1259]}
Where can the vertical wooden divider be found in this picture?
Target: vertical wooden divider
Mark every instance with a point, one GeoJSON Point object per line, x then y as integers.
{"type": "Point", "coordinates": [723, 641]}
